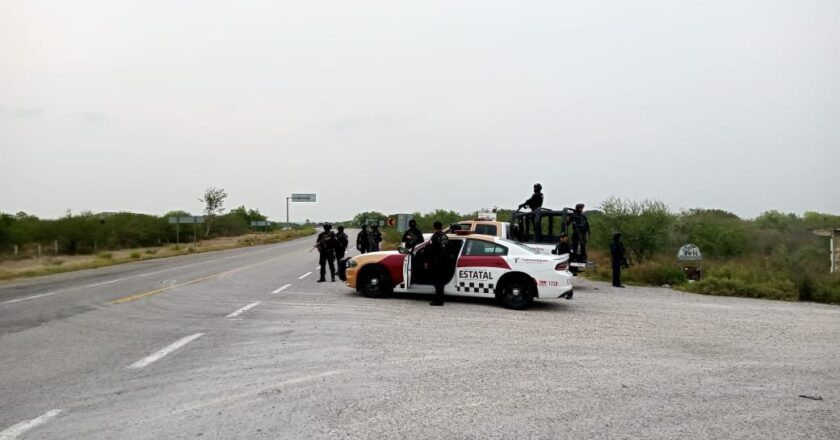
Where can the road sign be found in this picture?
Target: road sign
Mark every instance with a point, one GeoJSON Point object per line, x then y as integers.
{"type": "Point", "coordinates": [260, 223]}
{"type": "Point", "coordinates": [303, 197]}
{"type": "Point", "coordinates": [689, 252]}
{"type": "Point", "coordinates": [186, 220]}
{"type": "Point", "coordinates": [392, 221]}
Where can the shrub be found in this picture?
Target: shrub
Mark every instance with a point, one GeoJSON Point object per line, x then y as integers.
{"type": "Point", "coordinates": [105, 255]}
{"type": "Point", "coordinates": [53, 262]}
{"type": "Point", "coordinates": [151, 251]}
{"type": "Point", "coordinates": [771, 289]}
{"type": "Point", "coordinates": [135, 255]}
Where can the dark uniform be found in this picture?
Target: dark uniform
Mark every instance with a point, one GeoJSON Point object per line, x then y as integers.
{"type": "Point", "coordinates": [343, 242]}
{"type": "Point", "coordinates": [563, 246]}
{"type": "Point", "coordinates": [326, 244]}
{"type": "Point", "coordinates": [375, 238]}
{"type": "Point", "coordinates": [438, 257]}
{"type": "Point", "coordinates": [363, 240]}
{"type": "Point", "coordinates": [580, 232]}
{"type": "Point", "coordinates": [536, 200]}
{"type": "Point", "coordinates": [618, 259]}
{"type": "Point", "coordinates": [412, 236]}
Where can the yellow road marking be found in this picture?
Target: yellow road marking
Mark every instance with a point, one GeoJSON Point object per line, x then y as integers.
{"type": "Point", "coordinates": [187, 283]}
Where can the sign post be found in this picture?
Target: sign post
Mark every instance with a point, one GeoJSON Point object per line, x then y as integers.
{"type": "Point", "coordinates": [297, 198]}
{"type": "Point", "coordinates": [690, 255]}
{"type": "Point", "coordinates": [186, 219]}
{"type": "Point", "coordinates": [833, 245]}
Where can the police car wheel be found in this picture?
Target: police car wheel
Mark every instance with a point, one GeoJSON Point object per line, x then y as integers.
{"type": "Point", "coordinates": [515, 294]}
{"type": "Point", "coordinates": [374, 283]}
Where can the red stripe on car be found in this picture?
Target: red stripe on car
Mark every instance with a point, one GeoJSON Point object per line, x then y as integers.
{"type": "Point", "coordinates": [483, 262]}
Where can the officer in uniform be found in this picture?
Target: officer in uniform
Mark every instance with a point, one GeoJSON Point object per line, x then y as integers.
{"type": "Point", "coordinates": [563, 246]}
{"type": "Point", "coordinates": [375, 238]}
{"type": "Point", "coordinates": [326, 244]}
{"type": "Point", "coordinates": [536, 200]}
{"type": "Point", "coordinates": [438, 259]}
{"type": "Point", "coordinates": [342, 242]}
{"type": "Point", "coordinates": [535, 203]}
{"type": "Point", "coordinates": [618, 259]}
{"type": "Point", "coordinates": [580, 232]}
{"type": "Point", "coordinates": [412, 236]}
{"type": "Point", "coordinates": [363, 240]}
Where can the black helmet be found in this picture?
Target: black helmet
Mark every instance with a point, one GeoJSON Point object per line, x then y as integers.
{"type": "Point", "coordinates": [412, 222]}
{"type": "Point", "coordinates": [340, 227]}
{"type": "Point", "coordinates": [327, 226]}
{"type": "Point", "coordinates": [537, 186]}
{"type": "Point", "coordinates": [364, 226]}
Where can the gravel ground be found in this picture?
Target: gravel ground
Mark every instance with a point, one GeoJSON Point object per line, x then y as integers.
{"type": "Point", "coordinates": [319, 361]}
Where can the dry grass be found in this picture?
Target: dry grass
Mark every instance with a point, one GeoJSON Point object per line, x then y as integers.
{"type": "Point", "coordinates": [32, 267]}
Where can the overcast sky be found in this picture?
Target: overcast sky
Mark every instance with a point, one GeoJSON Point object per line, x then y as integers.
{"type": "Point", "coordinates": [402, 106]}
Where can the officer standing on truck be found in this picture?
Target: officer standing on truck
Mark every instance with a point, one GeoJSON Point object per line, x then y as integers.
{"type": "Point", "coordinates": [412, 236]}
{"type": "Point", "coordinates": [363, 240]}
{"type": "Point", "coordinates": [580, 232]}
{"type": "Point", "coordinates": [326, 244]}
{"type": "Point", "coordinates": [343, 242]}
{"type": "Point", "coordinates": [438, 258]}
{"type": "Point", "coordinates": [536, 200]}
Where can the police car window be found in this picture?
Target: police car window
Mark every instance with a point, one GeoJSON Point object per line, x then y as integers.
{"type": "Point", "coordinates": [479, 248]}
{"type": "Point", "coordinates": [486, 229]}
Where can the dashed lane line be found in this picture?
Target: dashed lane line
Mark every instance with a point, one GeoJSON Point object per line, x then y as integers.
{"type": "Point", "coordinates": [104, 283]}
{"type": "Point", "coordinates": [243, 310]}
{"type": "Point", "coordinates": [282, 288]}
{"type": "Point", "coordinates": [19, 429]}
{"type": "Point", "coordinates": [304, 275]}
{"type": "Point", "coordinates": [163, 352]}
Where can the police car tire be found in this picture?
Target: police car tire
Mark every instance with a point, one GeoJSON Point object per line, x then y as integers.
{"type": "Point", "coordinates": [377, 289]}
{"type": "Point", "coordinates": [518, 302]}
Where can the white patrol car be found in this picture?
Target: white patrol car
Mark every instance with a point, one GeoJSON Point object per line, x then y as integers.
{"type": "Point", "coordinates": [481, 266]}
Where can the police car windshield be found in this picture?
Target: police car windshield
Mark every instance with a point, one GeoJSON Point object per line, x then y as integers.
{"type": "Point", "coordinates": [514, 244]}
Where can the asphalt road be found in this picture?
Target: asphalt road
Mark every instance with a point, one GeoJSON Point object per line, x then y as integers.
{"type": "Point", "coordinates": [244, 344]}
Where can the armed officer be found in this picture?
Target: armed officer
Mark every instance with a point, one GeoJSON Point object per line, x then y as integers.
{"type": "Point", "coordinates": [375, 238]}
{"type": "Point", "coordinates": [438, 258]}
{"type": "Point", "coordinates": [342, 242]}
{"type": "Point", "coordinates": [535, 204]}
{"type": "Point", "coordinates": [536, 200]}
{"type": "Point", "coordinates": [618, 258]}
{"type": "Point", "coordinates": [326, 245]}
{"type": "Point", "coordinates": [412, 236]}
{"type": "Point", "coordinates": [563, 245]}
{"type": "Point", "coordinates": [580, 232]}
{"type": "Point", "coordinates": [363, 240]}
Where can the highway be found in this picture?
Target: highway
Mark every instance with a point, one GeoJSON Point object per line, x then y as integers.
{"type": "Point", "coordinates": [245, 344]}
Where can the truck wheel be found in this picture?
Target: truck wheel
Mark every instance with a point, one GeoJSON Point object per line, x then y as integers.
{"type": "Point", "coordinates": [374, 283]}
{"type": "Point", "coordinates": [515, 293]}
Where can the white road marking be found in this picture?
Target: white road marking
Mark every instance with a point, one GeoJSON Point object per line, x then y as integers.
{"type": "Point", "coordinates": [29, 297]}
{"type": "Point", "coordinates": [169, 349]}
{"type": "Point", "coordinates": [304, 275]}
{"type": "Point", "coordinates": [42, 295]}
{"type": "Point", "coordinates": [282, 288]}
{"type": "Point", "coordinates": [20, 428]}
{"type": "Point", "coordinates": [243, 310]}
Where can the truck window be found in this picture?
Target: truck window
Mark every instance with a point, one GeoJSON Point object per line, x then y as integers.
{"type": "Point", "coordinates": [486, 229]}
{"type": "Point", "coordinates": [480, 248]}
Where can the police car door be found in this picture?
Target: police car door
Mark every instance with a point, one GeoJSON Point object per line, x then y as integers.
{"type": "Point", "coordinates": [481, 265]}
{"type": "Point", "coordinates": [407, 270]}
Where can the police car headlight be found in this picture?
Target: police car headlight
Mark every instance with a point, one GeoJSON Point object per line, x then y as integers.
{"type": "Point", "coordinates": [352, 263]}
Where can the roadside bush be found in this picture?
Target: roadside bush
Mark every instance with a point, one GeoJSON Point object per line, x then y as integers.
{"type": "Point", "coordinates": [105, 255]}
{"type": "Point", "coordinates": [53, 262]}
{"type": "Point", "coordinates": [135, 255]}
{"type": "Point", "coordinates": [151, 251]}
{"type": "Point", "coordinates": [770, 289]}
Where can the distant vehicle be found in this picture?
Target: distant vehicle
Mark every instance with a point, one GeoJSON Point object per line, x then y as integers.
{"type": "Point", "coordinates": [481, 266]}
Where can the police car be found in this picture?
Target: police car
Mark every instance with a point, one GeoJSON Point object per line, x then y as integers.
{"type": "Point", "coordinates": [481, 266]}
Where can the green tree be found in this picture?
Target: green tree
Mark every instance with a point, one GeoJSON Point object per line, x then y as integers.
{"type": "Point", "coordinates": [644, 225]}
{"type": "Point", "coordinates": [715, 232]}
{"type": "Point", "coordinates": [214, 200]}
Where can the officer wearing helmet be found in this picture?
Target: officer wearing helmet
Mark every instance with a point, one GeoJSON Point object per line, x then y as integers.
{"type": "Point", "coordinates": [342, 242]}
{"type": "Point", "coordinates": [536, 200]}
{"type": "Point", "coordinates": [363, 240]}
{"type": "Point", "coordinates": [326, 244]}
{"type": "Point", "coordinates": [580, 232]}
{"type": "Point", "coordinates": [412, 236]}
